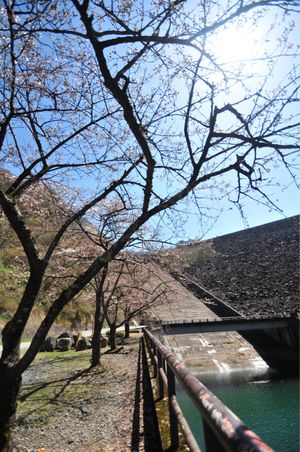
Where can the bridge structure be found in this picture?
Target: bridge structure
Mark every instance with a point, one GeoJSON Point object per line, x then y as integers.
{"type": "Point", "coordinates": [212, 337]}
{"type": "Point", "coordinates": [275, 338]}
{"type": "Point", "coordinates": [235, 323]}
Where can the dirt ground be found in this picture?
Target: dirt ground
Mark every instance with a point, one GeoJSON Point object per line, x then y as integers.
{"type": "Point", "coordinates": [65, 407]}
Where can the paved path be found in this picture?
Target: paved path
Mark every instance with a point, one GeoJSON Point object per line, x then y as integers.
{"type": "Point", "coordinates": [24, 346]}
{"type": "Point", "coordinates": [225, 354]}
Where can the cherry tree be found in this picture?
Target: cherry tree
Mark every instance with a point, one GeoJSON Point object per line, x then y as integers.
{"type": "Point", "coordinates": [126, 109]}
{"type": "Point", "coordinates": [131, 288]}
{"type": "Point", "coordinates": [123, 290]}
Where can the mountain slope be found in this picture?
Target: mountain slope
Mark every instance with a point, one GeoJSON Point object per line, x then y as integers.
{"type": "Point", "coordinates": [256, 271]}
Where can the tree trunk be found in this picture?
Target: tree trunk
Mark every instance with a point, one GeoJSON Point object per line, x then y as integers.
{"type": "Point", "coordinates": [112, 336]}
{"type": "Point", "coordinates": [98, 316]}
{"type": "Point", "coordinates": [127, 330]}
{"type": "Point", "coordinates": [96, 341]}
{"type": "Point", "coordinates": [9, 390]}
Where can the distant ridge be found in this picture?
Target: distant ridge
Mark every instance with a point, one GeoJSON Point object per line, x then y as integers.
{"type": "Point", "coordinates": [277, 223]}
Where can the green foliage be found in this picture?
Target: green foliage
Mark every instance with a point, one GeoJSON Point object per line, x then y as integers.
{"type": "Point", "coordinates": [11, 287]}
{"type": "Point", "coordinates": [185, 256]}
{"type": "Point", "coordinates": [119, 334]}
{"type": "Point", "coordinates": [76, 314]}
{"type": "Point", "coordinates": [13, 270]}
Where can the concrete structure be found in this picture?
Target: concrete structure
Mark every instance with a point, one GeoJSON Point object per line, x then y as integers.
{"type": "Point", "coordinates": [226, 324]}
{"type": "Point", "coordinates": [219, 355]}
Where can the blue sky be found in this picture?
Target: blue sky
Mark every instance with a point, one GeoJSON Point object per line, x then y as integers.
{"type": "Point", "coordinates": [239, 43]}
{"type": "Point", "coordinates": [230, 220]}
{"type": "Point", "coordinates": [225, 217]}
{"type": "Point", "coordinates": [282, 191]}
{"type": "Point", "coordinates": [220, 216]}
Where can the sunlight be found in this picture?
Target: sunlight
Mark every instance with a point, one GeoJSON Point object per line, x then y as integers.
{"type": "Point", "coordinates": [235, 45]}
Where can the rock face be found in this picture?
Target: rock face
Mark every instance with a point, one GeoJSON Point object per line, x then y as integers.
{"type": "Point", "coordinates": [83, 343]}
{"type": "Point", "coordinates": [49, 345]}
{"type": "Point", "coordinates": [65, 334]}
{"type": "Point", "coordinates": [103, 342]}
{"type": "Point", "coordinates": [64, 344]}
{"type": "Point", "coordinates": [256, 271]}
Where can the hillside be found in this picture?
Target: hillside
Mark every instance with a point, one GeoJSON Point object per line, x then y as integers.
{"type": "Point", "coordinates": [45, 208]}
{"type": "Point", "coordinates": [256, 271]}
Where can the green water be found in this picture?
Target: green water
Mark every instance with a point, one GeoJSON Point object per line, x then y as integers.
{"type": "Point", "coordinates": [270, 408]}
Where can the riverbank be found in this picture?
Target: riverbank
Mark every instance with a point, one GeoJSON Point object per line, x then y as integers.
{"type": "Point", "coordinates": [63, 406]}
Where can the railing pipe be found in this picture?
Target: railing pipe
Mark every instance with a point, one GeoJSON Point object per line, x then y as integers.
{"type": "Point", "coordinates": [229, 430]}
{"type": "Point", "coordinates": [164, 377]}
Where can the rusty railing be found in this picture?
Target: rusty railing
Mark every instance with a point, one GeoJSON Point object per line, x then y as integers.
{"type": "Point", "coordinates": [223, 430]}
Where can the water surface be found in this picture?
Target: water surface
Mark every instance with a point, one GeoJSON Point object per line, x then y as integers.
{"type": "Point", "coordinates": [270, 408]}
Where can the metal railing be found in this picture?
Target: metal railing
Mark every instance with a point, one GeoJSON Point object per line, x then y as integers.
{"type": "Point", "coordinates": [223, 430]}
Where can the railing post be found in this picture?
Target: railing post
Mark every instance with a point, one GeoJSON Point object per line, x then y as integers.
{"type": "Point", "coordinates": [160, 380]}
{"type": "Point", "coordinates": [211, 441]}
{"type": "Point", "coordinates": [147, 342]}
{"type": "Point", "coordinates": [154, 362]}
{"type": "Point", "coordinates": [152, 440]}
{"type": "Point", "coordinates": [152, 350]}
{"type": "Point", "coordinates": [172, 416]}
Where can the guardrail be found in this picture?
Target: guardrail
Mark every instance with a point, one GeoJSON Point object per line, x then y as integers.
{"type": "Point", "coordinates": [223, 430]}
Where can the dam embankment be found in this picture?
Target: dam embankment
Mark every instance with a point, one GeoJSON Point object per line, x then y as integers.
{"type": "Point", "coordinates": [226, 354]}
{"type": "Point", "coordinates": [255, 271]}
